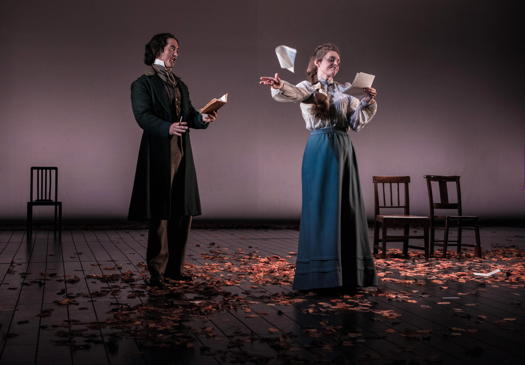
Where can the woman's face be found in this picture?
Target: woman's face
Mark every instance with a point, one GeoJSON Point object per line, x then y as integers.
{"type": "Point", "coordinates": [328, 66]}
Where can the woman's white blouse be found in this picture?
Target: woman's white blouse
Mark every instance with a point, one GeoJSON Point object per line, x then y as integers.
{"type": "Point", "coordinates": [350, 111]}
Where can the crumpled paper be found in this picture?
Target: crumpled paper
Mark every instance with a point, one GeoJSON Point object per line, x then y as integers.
{"type": "Point", "coordinates": [286, 57]}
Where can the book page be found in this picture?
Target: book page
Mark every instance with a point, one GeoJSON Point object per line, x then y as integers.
{"type": "Point", "coordinates": [214, 104]}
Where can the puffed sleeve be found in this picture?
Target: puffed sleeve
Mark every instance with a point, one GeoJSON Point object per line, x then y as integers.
{"type": "Point", "coordinates": [292, 93]}
{"type": "Point", "coordinates": [360, 113]}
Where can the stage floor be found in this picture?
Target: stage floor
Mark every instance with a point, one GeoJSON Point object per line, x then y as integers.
{"type": "Point", "coordinates": [84, 301]}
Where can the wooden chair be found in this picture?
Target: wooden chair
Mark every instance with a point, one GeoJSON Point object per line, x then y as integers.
{"type": "Point", "coordinates": [391, 193]}
{"type": "Point", "coordinates": [447, 221]}
{"type": "Point", "coordinates": [44, 192]}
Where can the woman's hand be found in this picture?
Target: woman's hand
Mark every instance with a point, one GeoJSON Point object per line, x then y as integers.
{"type": "Point", "coordinates": [370, 95]}
{"type": "Point", "coordinates": [178, 128]}
{"type": "Point", "coordinates": [209, 118]}
{"type": "Point", "coordinates": [274, 82]}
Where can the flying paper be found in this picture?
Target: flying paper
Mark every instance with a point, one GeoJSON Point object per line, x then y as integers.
{"type": "Point", "coordinates": [286, 57]}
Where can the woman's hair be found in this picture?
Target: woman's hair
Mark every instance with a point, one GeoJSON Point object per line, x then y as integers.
{"type": "Point", "coordinates": [321, 108]}
{"type": "Point", "coordinates": [155, 47]}
{"type": "Point", "coordinates": [319, 52]}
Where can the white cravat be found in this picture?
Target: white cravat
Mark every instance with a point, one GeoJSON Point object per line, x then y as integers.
{"type": "Point", "coordinates": [159, 62]}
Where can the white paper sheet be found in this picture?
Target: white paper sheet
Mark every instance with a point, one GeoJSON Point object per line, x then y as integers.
{"type": "Point", "coordinates": [286, 57]}
{"type": "Point", "coordinates": [361, 81]}
{"type": "Point", "coordinates": [486, 275]}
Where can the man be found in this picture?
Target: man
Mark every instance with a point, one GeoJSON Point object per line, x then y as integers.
{"type": "Point", "coordinates": [165, 190]}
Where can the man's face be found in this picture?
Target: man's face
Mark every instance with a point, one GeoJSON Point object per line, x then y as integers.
{"type": "Point", "coordinates": [170, 52]}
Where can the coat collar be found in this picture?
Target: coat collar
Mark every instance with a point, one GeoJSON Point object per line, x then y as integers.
{"type": "Point", "coordinates": [159, 87]}
{"type": "Point", "coordinates": [150, 71]}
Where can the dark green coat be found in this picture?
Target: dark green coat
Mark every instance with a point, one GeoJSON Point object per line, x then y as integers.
{"type": "Point", "coordinates": [152, 192]}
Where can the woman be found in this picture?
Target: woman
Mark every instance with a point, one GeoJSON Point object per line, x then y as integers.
{"type": "Point", "coordinates": [333, 240]}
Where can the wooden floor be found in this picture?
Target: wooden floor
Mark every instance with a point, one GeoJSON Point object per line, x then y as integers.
{"type": "Point", "coordinates": [84, 301]}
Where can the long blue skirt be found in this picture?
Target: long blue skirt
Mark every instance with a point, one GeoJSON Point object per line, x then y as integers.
{"type": "Point", "coordinates": [333, 240]}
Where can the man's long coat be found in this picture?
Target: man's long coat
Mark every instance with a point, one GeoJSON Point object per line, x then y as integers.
{"type": "Point", "coordinates": [153, 196]}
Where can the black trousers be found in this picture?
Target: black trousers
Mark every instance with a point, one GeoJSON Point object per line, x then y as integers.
{"type": "Point", "coordinates": [167, 240]}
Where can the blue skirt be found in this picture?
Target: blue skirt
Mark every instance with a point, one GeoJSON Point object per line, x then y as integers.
{"type": "Point", "coordinates": [333, 240]}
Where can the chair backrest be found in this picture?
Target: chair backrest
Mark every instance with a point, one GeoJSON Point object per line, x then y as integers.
{"type": "Point", "coordinates": [444, 201]}
{"type": "Point", "coordinates": [44, 183]}
{"type": "Point", "coordinates": [391, 192]}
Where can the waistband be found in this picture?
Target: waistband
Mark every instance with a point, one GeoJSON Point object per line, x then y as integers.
{"type": "Point", "coordinates": [327, 130]}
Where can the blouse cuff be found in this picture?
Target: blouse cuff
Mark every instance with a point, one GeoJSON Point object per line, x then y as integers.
{"type": "Point", "coordinates": [364, 103]}
{"type": "Point", "coordinates": [289, 92]}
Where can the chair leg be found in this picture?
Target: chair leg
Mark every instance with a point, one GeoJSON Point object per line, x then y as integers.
{"type": "Point", "coordinates": [60, 222]}
{"type": "Point", "coordinates": [55, 222]}
{"type": "Point", "coordinates": [385, 229]}
{"type": "Point", "coordinates": [460, 237]}
{"type": "Point", "coordinates": [478, 241]}
{"type": "Point", "coordinates": [426, 240]}
{"type": "Point", "coordinates": [406, 233]}
{"type": "Point", "coordinates": [445, 239]}
{"type": "Point", "coordinates": [376, 237]}
{"type": "Point", "coordinates": [29, 222]}
{"type": "Point", "coordinates": [432, 238]}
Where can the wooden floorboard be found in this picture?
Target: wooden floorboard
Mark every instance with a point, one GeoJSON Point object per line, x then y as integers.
{"type": "Point", "coordinates": [84, 301]}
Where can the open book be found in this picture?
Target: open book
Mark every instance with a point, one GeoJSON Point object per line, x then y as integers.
{"type": "Point", "coordinates": [214, 104]}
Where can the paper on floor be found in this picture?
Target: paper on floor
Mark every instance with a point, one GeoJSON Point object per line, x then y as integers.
{"type": "Point", "coordinates": [485, 275]}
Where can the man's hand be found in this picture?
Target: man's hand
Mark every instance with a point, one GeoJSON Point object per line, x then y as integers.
{"type": "Point", "coordinates": [209, 118]}
{"type": "Point", "coordinates": [178, 128]}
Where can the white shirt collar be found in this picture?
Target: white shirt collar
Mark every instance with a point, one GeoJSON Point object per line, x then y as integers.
{"type": "Point", "coordinates": [159, 62]}
{"type": "Point", "coordinates": [326, 81]}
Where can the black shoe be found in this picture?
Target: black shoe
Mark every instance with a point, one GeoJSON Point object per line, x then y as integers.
{"type": "Point", "coordinates": [179, 277]}
{"type": "Point", "coordinates": [156, 280]}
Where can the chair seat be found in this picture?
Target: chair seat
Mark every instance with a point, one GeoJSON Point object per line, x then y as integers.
{"type": "Point", "coordinates": [44, 202]}
{"type": "Point", "coordinates": [392, 221]}
{"type": "Point", "coordinates": [402, 218]}
{"type": "Point", "coordinates": [401, 238]}
{"type": "Point", "coordinates": [462, 217]}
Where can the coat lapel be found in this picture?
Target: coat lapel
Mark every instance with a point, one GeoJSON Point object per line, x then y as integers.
{"type": "Point", "coordinates": [183, 95]}
{"type": "Point", "coordinates": [160, 91]}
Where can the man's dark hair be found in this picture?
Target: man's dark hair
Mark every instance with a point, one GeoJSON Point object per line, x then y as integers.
{"type": "Point", "coordinates": [155, 46]}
